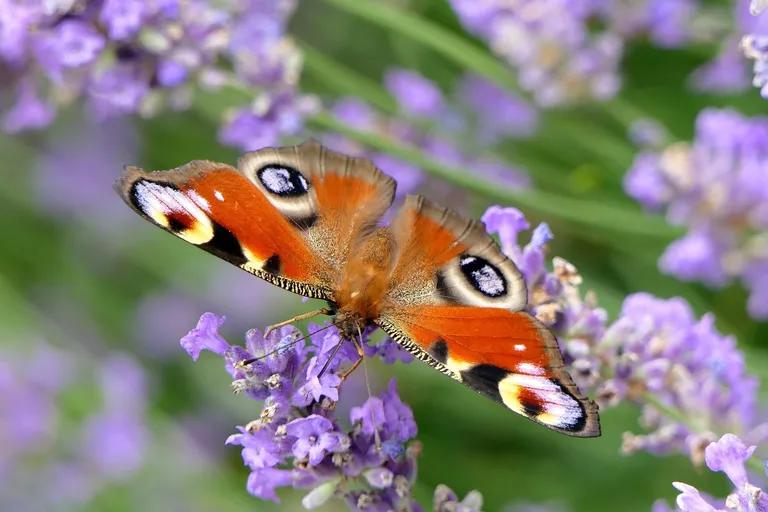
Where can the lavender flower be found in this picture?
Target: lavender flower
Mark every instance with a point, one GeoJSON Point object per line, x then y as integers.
{"type": "Point", "coordinates": [668, 23]}
{"type": "Point", "coordinates": [87, 151]}
{"type": "Point", "coordinates": [110, 442]}
{"type": "Point", "coordinates": [417, 95]}
{"type": "Point", "coordinates": [714, 187]}
{"type": "Point", "coordinates": [729, 455]}
{"type": "Point", "coordinates": [549, 44]}
{"type": "Point", "coordinates": [728, 72]}
{"type": "Point", "coordinates": [496, 113]}
{"type": "Point", "coordinates": [296, 440]}
{"type": "Point", "coordinates": [135, 57]}
{"type": "Point", "coordinates": [445, 500]}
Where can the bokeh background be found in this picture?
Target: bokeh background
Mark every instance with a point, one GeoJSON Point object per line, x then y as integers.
{"type": "Point", "coordinates": [100, 409]}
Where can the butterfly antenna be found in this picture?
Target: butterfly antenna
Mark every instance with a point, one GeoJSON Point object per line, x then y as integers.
{"type": "Point", "coordinates": [376, 436]}
{"type": "Point", "coordinates": [331, 357]}
{"type": "Point", "coordinates": [246, 362]}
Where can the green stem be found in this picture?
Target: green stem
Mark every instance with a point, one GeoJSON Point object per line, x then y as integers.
{"type": "Point", "coordinates": [344, 80]}
{"type": "Point", "coordinates": [467, 55]}
{"type": "Point", "coordinates": [616, 220]}
{"type": "Point", "coordinates": [681, 418]}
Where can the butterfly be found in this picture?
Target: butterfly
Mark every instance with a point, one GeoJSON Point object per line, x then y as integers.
{"type": "Point", "coordinates": [307, 219]}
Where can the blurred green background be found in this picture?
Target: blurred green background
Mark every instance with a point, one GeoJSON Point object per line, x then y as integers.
{"type": "Point", "coordinates": [79, 280]}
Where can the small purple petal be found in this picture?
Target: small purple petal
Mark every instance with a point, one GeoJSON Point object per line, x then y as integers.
{"type": "Point", "coordinates": [205, 336]}
{"type": "Point", "coordinates": [729, 454]}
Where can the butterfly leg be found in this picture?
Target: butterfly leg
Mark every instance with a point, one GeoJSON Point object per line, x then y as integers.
{"type": "Point", "coordinates": [302, 316]}
{"type": "Point", "coordinates": [360, 354]}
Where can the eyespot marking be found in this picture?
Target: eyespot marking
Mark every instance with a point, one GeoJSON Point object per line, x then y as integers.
{"type": "Point", "coordinates": [282, 180]}
{"type": "Point", "coordinates": [485, 378]}
{"type": "Point", "coordinates": [439, 350]}
{"type": "Point", "coordinates": [175, 210]}
{"type": "Point", "coordinates": [272, 265]}
{"type": "Point", "coordinates": [225, 245]}
{"type": "Point", "coordinates": [544, 399]}
{"type": "Point", "coordinates": [483, 276]}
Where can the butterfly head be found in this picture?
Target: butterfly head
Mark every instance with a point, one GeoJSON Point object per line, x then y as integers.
{"type": "Point", "coordinates": [349, 323]}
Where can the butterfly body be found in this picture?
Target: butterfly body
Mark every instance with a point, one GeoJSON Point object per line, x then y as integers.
{"type": "Point", "coordinates": [307, 219]}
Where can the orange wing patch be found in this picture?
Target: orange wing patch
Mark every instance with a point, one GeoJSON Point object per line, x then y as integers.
{"type": "Point", "coordinates": [442, 258]}
{"type": "Point", "coordinates": [507, 356]}
{"type": "Point", "coordinates": [214, 207]}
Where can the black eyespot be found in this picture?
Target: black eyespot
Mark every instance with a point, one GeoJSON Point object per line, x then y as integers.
{"type": "Point", "coordinates": [484, 277]}
{"type": "Point", "coordinates": [283, 181]}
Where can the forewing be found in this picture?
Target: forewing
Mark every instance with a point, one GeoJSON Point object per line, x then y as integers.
{"type": "Point", "coordinates": [213, 206]}
{"type": "Point", "coordinates": [288, 215]}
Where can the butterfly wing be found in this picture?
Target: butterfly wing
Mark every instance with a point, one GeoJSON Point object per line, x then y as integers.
{"type": "Point", "coordinates": [287, 215]}
{"type": "Point", "coordinates": [455, 302]}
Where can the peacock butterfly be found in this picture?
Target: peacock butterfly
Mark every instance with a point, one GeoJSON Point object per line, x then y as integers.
{"type": "Point", "coordinates": [306, 219]}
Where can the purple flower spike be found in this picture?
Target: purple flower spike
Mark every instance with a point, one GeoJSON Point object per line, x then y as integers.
{"type": "Point", "coordinates": [138, 57]}
{"type": "Point", "coordinates": [507, 223]}
{"type": "Point", "coordinates": [73, 43]}
{"type": "Point", "coordinates": [259, 448]}
{"type": "Point", "coordinates": [370, 415]}
{"type": "Point", "coordinates": [416, 95]}
{"type": "Point", "coordinates": [263, 482]}
{"type": "Point", "coordinates": [690, 500]}
{"type": "Point", "coordinates": [714, 186]}
{"type": "Point", "coordinates": [205, 336]}
{"type": "Point", "coordinates": [729, 455]}
{"type": "Point", "coordinates": [315, 438]}
{"type": "Point", "coordinates": [29, 112]}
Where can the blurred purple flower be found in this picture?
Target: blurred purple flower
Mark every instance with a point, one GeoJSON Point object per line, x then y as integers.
{"type": "Point", "coordinates": [715, 187]}
{"type": "Point", "coordinates": [114, 440]}
{"type": "Point", "coordinates": [727, 72]}
{"type": "Point", "coordinates": [445, 500]}
{"type": "Point", "coordinates": [551, 46]}
{"type": "Point", "coordinates": [111, 441]}
{"type": "Point", "coordinates": [77, 168]}
{"type": "Point", "coordinates": [29, 112]}
{"type": "Point", "coordinates": [415, 94]}
{"type": "Point", "coordinates": [755, 47]}
{"type": "Point", "coordinates": [668, 23]}
{"type": "Point", "coordinates": [132, 57]}
{"type": "Point", "coordinates": [728, 454]}
{"type": "Point", "coordinates": [658, 347]}
{"type": "Point", "coordinates": [498, 113]}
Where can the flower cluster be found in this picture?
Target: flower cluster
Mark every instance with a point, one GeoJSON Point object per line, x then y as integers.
{"type": "Point", "coordinates": [479, 114]}
{"type": "Point", "coordinates": [549, 43]}
{"type": "Point", "coordinates": [715, 187]}
{"type": "Point", "coordinates": [755, 44]}
{"type": "Point", "coordinates": [566, 52]}
{"type": "Point", "coordinates": [729, 454]}
{"type": "Point", "coordinates": [76, 457]}
{"type": "Point", "coordinates": [689, 380]}
{"type": "Point", "coordinates": [134, 57]}
{"type": "Point", "coordinates": [297, 440]}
